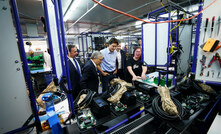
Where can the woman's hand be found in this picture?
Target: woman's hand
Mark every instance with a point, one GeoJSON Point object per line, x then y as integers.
{"type": "Point", "coordinates": [143, 77]}
{"type": "Point", "coordinates": [134, 78]}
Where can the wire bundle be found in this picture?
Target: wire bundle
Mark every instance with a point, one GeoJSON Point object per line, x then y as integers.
{"type": "Point", "coordinates": [156, 106]}
{"type": "Point", "coordinates": [87, 100]}
{"type": "Point", "coordinates": [111, 91]}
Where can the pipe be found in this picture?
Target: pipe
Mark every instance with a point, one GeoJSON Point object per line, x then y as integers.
{"type": "Point", "coordinates": [142, 43]}
{"type": "Point", "coordinates": [118, 11]}
{"type": "Point", "coordinates": [132, 116]}
{"type": "Point", "coordinates": [86, 45]}
{"type": "Point", "coordinates": [69, 6]}
{"type": "Point", "coordinates": [177, 39]}
{"type": "Point", "coordinates": [25, 64]}
{"type": "Point", "coordinates": [210, 82]}
{"type": "Point", "coordinates": [49, 38]}
{"type": "Point", "coordinates": [197, 40]}
{"type": "Point", "coordinates": [143, 5]}
{"type": "Point", "coordinates": [168, 44]}
{"type": "Point", "coordinates": [156, 43]}
{"type": "Point", "coordinates": [82, 41]}
{"type": "Point", "coordinates": [70, 99]}
{"type": "Point", "coordinates": [92, 46]}
{"type": "Point", "coordinates": [59, 38]}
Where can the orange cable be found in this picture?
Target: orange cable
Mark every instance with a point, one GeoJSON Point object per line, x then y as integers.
{"type": "Point", "coordinates": [118, 11]}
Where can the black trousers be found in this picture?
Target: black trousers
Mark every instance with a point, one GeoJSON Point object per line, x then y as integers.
{"type": "Point", "coordinates": [121, 74]}
{"type": "Point", "coordinates": [106, 80]}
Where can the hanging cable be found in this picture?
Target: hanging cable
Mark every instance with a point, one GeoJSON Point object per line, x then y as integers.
{"type": "Point", "coordinates": [163, 5]}
{"type": "Point", "coordinates": [171, 42]}
{"type": "Point", "coordinates": [118, 11]}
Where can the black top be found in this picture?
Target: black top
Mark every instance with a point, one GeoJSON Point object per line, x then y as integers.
{"type": "Point", "coordinates": [89, 78]}
{"type": "Point", "coordinates": [136, 67]}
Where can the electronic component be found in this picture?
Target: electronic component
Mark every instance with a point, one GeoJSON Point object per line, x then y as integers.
{"type": "Point", "coordinates": [99, 107]}
{"type": "Point", "coordinates": [85, 119]}
{"type": "Point", "coordinates": [192, 103]}
{"type": "Point", "coordinates": [119, 106]}
{"type": "Point", "coordinates": [141, 95]}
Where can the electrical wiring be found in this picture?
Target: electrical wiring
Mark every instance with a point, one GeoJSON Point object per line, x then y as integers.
{"type": "Point", "coordinates": [171, 42]}
{"type": "Point", "coordinates": [131, 16]}
{"type": "Point", "coordinates": [163, 6]}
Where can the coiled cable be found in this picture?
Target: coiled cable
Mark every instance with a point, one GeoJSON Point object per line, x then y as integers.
{"type": "Point", "coordinates": [87, 100]}
{"type": "Point", "coordinates": [157, 108]}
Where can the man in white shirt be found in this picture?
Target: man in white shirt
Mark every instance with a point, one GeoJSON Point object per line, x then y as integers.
{"type": "Point", "coordinates": [121, 62]}
{"type": "Point", "coordinates": [108, 68]}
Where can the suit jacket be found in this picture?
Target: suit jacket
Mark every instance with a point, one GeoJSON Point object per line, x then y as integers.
{"type": "Point", "coordinates": [89, 78]}
{"type": "Point", "coordinates": [123, 60]}
{"type": "Point", "coordinates": [75, 79]}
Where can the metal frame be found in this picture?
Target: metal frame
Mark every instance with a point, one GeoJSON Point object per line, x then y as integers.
{"type": "Point", "coordinates": [49, 37]}
{"type": "Point", "coordinates": [155, 16]}
{"type": "Point", "coordinates": [70, 98]}
{"type": "Point", "coordinates": [82, 41]}
{"type": "Point", "coordinates": [59, 37]}
{"type": "Point", "coordinates": [25, 69]}
{"type": "Point", "coordinates": [197, 39]}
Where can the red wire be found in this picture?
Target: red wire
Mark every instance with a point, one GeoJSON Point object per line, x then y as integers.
{"type": "Point", "coordinates": [118, 11]}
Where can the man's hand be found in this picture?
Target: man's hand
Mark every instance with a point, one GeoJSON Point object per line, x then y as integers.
{"type": "Point", "coordinates": [115, 72]}
{"type": "Point", "coordinates": [143, 77]}
{"type": "Point", "coordinates": [105, 74]}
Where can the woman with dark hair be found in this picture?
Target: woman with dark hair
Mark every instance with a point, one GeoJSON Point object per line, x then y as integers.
{"type": "Point", "coordinates": [135, 67]}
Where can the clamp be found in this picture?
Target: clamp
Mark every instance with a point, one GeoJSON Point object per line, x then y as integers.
{"type": "Point", "coordinates": [215, 57]}
{"type": "Point", "coordinates": [203, 60]}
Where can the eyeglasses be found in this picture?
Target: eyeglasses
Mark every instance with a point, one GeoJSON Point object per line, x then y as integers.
{"type": "Point", "coordinates": [100, 59]}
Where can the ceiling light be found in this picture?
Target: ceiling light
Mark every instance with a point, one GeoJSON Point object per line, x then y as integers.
{"type": "Point", "coordinates": [73, 6]}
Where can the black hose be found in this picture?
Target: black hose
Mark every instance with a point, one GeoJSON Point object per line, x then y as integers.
{"type": "Point", "coordinates": [157, 108]}
{"type": "Point", "coordinates": [87, 100]}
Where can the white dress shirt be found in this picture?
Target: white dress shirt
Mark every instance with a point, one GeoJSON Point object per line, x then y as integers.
{"type": "Point", "coordinates": [119, 60]}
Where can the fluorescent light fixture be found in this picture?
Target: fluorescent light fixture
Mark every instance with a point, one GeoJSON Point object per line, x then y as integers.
{"type": "Point", "coordinates": [73, 6]}
{"type": "Point", "coordinates": [83, 15]}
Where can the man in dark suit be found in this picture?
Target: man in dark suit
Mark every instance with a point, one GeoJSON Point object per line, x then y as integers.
{"type": "Point", "coordinates": [121, 62]}
{"type": "Point", "coordinates": [90, 78]}
{"type": "Point", "coordinates": [74, 70]}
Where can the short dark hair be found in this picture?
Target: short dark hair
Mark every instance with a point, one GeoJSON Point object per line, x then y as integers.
{"type": "Point", "coordinates": [136, 49]}
{"type": "Point", "coordinates": [113, 40]}
{"type": "Point", "coordinates": [69, 47]}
